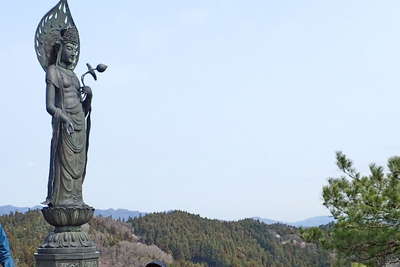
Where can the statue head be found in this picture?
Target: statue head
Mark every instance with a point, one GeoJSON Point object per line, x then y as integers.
{"type": "Point", "coordinates": [68, 52]}
{"type": "Point", "coordinates": [68, 47]}
{"type": "Point", "coordinates": [62, 48]}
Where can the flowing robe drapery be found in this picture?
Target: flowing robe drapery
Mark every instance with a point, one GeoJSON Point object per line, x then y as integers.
{"type": "Point", "coordinates": [68, 155]}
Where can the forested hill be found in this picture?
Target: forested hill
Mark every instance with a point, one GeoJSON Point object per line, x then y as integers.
{"type": "Point", "coordinates": [185, 240]}
{"type": "Point", "coordinates": [114, 239]}
{"type": "Point", "coordinates": [190, 238]}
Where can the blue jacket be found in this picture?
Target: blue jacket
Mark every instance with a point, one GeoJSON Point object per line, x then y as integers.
{"type": "Point", "coordinates": [6, 259]}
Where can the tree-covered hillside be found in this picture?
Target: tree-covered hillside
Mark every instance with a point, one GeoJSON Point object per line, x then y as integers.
{"type": "Point", "coordinates": [114, 239]}
{"type": "Point", "coordinates": [188, 241]}
{"type": "Point", "coordinates": [190, 238]}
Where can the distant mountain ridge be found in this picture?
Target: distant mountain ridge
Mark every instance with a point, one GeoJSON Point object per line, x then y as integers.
{"type": "Point", "coordinates": [5, 210]}
{"type": "Point", "coordinates": [125, 214]}
{"type": "Point", "coordinates": [309, 222]}
{"type": "Point", "coordinates": [120, 213]}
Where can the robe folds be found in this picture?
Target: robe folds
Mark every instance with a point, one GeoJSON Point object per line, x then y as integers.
{"type": "Point", "coordinates": [68, 152]}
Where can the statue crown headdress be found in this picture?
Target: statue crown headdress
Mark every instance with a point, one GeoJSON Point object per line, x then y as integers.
{"type": "Point", "coordinates": [70, 35]}
{"type": "Point", "coordinates": [57, 25]}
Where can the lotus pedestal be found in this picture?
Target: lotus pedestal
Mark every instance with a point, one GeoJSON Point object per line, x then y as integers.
{"type": "Point", "coordinates": [67, 245]}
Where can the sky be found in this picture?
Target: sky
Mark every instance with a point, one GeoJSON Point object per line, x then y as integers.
{"type": "Point", "coordinates": [224, 108]}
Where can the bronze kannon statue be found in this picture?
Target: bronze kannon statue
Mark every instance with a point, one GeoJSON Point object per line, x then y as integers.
{"type": "Point", "coordinates": [58, 48]}
{"type": "Point", "coordinates": [69, 103]}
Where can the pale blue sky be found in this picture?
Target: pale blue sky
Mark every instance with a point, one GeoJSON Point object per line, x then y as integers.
{"type": "Point", "coordinates": [227, 109]}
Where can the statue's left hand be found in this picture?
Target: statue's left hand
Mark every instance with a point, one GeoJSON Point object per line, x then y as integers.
{"type": "Point", "coordinates": [87, 90]}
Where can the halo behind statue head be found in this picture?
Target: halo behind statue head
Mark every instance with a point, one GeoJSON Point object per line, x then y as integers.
{"type": "Point", "coordinates": [49, 32]}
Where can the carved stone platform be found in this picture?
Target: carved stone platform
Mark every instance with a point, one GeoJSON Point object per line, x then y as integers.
{"type": "Point", "coordinates": [72, 257]}
{"type": "Point", "coordinates": [67, 245]}
{"type": "Point", "coordinates": [67, 222]}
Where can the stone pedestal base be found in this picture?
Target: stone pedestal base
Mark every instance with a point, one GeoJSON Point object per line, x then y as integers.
{"type": "Point", "coordinates": [67, 257]}
{"type": "Point", "coordinates": [67, 245]}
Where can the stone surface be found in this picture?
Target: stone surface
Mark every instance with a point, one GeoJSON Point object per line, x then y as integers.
{"type": "Point", "coordinates": [67, 222]}
{"type": "Point", "coordinates": [67, 240]}
{"type": "Point", "coordinates": [67, 216]}
{"type": "Point", "coordinates": [78, 257]}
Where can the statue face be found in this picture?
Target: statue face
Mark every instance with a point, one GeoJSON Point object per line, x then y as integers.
{"type": "Point", "coordinates": [69, 53]}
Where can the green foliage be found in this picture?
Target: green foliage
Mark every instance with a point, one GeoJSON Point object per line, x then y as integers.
{"type": "Point", "coordinates": [190, 238]}
{"type": "Point", "coordinates": [25, 233]}
{"type": "Point", "coordinates": [367, 213]}
{"type": "Point", "coordinates": [114, 239]}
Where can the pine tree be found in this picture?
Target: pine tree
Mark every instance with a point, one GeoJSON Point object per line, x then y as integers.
{"type": "Point", "coordinates": [367, 213]}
